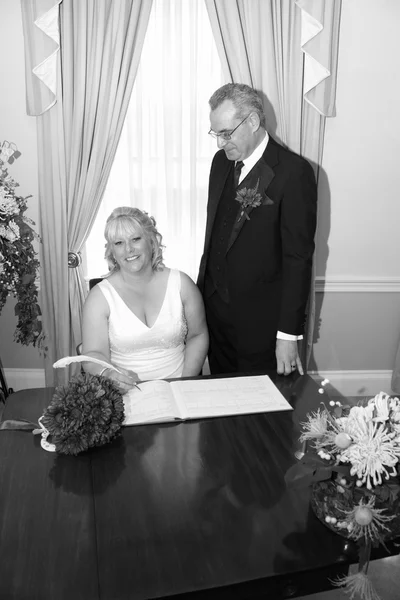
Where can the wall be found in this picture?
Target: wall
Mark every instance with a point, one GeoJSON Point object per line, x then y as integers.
{"type": "Point", "coordinates": [358, 279]}
{"type": "Point", "coordinates": [357, 240]}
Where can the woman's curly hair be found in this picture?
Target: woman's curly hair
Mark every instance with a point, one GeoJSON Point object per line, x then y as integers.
{"type": "Point", "coordinates": [123, 221]}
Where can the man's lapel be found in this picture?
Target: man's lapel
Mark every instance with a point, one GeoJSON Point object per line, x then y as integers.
{"type": "Point", "coordinates": [264, 173]}
{"type": "Point", "coordinates": [217, 188]}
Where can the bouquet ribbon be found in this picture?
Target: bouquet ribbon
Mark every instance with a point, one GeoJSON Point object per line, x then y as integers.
{"type": "Point", "coordinates": [22, 425]}
{"type": "Point", "coordinates": [45, 434]}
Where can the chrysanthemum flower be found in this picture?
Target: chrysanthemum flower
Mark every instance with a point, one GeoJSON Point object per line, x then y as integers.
{"type": "Point", "coordinates": [364, 520]}
{"type": "Point", "coordinates": [381, 405]}
{"type": "Point", "coordinates": [357, 585]}
{"type": "Point", "coordinates": [394, 405]}
{"type": "Point", "coordinates": [328, 433]}
{"type": "Point", "coordinates": [316, 427]}
{"type": "Point", "coordinates": [374, 453]}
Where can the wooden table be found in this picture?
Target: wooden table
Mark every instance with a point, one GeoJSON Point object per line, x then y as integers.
{"type": "Point", "coordinates": [195, 509]}
{"type": "Point", "coordinates": [47, 525]}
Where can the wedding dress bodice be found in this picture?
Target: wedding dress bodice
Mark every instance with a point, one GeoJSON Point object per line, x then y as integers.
{"type": "Point", "coordinates": [155, 352]}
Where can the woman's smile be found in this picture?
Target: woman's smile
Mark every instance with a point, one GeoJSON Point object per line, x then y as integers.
{"type": "Point", "coordinates": [132, 248]}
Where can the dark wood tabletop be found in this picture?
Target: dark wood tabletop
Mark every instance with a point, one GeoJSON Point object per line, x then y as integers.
{"type": "Point", "coordinates": [193, 510]}
{"type": "Point", "coordinates": [47, 527]}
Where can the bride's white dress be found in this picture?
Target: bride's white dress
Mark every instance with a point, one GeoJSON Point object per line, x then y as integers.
{"type": "Point", "coordinates": [155, 352]}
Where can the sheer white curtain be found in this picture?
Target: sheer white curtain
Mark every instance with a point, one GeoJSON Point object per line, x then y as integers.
{"type": "Point", "coordinates": [79, 122]}
{"type": "Point", "coordinates": [164, 154]}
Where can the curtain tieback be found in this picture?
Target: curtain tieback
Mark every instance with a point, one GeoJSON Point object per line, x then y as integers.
{"type": "Point", "coordinates": [74, 260]}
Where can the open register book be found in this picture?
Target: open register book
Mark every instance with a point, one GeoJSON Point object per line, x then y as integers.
{"type": "Point", "coordinates": [162, 401]}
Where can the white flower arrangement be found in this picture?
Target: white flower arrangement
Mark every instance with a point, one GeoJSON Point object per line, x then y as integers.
{"type": "Point", "coordinates": [366, 437]}
{"type": "Point", "coordinates": [352, 460]}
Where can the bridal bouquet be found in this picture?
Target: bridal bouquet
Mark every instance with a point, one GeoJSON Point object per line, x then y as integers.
{"type": "Point", "coordinates": [351, 460]}
{"type": "Point", "coordinates": [87, 412]}
{"type": "Point", "coordinates": [19, 266]}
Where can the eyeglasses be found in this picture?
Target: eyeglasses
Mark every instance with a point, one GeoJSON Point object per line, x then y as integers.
{"type": "Point", "coordinates": [226, 135]}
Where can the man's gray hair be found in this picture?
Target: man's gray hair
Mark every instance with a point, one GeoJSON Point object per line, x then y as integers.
{"type": "Point", "coordinates": [244, 98]}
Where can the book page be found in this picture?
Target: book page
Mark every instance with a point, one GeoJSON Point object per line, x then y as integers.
{"type": "Point", "coordinates": [201, 398]}
{"type": "Point", "coordinates": [153, 402]}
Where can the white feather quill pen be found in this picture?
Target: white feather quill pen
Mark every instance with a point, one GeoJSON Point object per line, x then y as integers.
{"type": "Point", "coordinates": [63, 362]}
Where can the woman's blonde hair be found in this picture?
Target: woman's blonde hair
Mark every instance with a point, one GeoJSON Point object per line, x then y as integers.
{"type": "Point", "coordinates": [122, 221]}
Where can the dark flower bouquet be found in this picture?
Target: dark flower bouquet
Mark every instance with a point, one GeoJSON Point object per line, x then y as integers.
{"type": "Point", "coordinates": [352, 461]}
{"type": "Point", "coordinates": [19, 266]}
{"type": "Point", "coordinates": [87, 412]}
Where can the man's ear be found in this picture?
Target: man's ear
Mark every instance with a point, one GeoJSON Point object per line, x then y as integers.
{"type": "Point", "coordinates": [254, 119]}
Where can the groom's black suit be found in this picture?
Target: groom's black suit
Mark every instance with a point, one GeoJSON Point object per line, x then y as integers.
{"type": "Point", "coordinates": [255, 272]}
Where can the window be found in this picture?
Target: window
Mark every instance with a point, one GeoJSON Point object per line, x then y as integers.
{"type": "Point", "coordinates": [164, 155]}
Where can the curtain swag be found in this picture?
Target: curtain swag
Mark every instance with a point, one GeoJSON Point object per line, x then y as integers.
{"type": "Point", "coordinates": [319, 42]}
{"type": "Point", "coordinates": [41, 28]}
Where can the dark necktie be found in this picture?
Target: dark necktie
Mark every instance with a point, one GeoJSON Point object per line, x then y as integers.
{"type": "Point", "coordinates": [236, 172]}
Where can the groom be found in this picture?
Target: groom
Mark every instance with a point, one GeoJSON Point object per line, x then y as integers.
{"type": "Point", "coordinates": [255, 271]}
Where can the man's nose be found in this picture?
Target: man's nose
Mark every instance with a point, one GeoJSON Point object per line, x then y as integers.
{"type": "Point", "coordinates": [221, 141]}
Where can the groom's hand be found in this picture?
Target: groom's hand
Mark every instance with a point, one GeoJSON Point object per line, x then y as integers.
{"type": "Point", "coordinates": [287, 357]}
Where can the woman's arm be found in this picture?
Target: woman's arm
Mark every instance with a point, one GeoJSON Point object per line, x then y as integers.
{"type": "Point", "coordinates": [95, 340]}
{"type": "Point", "coordinates": [197, 337]}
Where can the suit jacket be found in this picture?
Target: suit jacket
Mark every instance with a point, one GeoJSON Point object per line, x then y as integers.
{"type": "Point", "coordinates": [269, 255]}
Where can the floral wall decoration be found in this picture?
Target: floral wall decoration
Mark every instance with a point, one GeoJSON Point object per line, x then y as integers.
{"type": "Point", "coordinates": [19, 265]}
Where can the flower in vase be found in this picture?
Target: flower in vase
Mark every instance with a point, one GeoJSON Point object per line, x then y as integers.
{"type": "Point", "coordinates": [366, 521]}
{"type": "Point", "coordinates": [332, 435]}
{"type": "Point", "coordinates": [373, 454]}
{"type": "Point", "coordinates": [352, 462]}
{"type": "Point", "coordinates": [316, 427]}
{"type": "Point", "coordinates": [382, 406]}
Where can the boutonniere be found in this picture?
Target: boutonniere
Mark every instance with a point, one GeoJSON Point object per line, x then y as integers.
{"type": "Point", "coordinates": [250, 198]}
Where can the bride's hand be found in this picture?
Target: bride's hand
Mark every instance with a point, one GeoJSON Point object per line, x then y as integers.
{"type": "Point", "coordinates": [124, 379]}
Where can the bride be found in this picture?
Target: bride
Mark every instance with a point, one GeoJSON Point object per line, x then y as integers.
{"type": "Point", "coordinates": [144, 318]}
